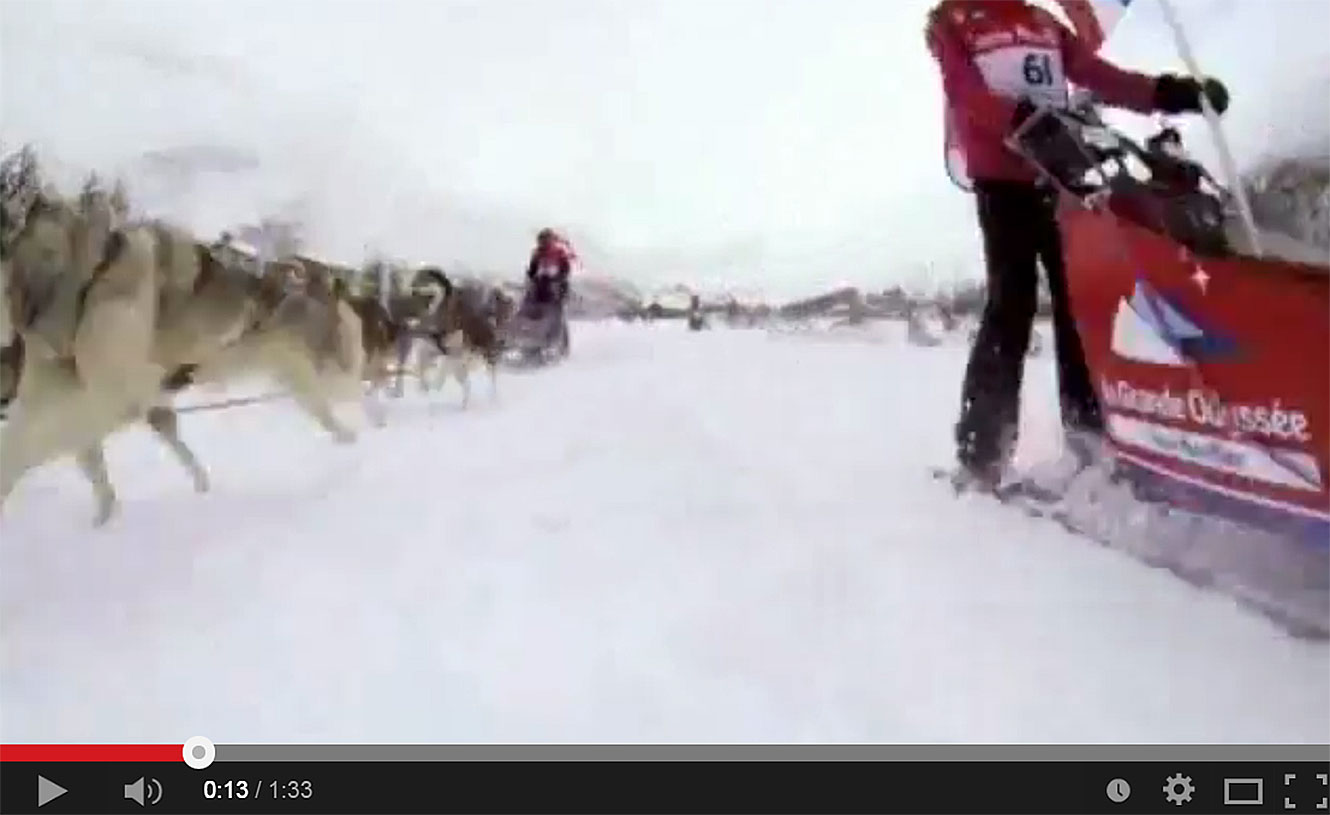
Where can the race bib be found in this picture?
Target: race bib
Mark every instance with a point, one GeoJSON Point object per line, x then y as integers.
{"type": "Point", "coordinates": [547, 270]}
{"type": "Point", "coordinates": [1025, 71]}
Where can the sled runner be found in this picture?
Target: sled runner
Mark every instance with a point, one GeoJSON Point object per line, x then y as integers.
{"type": "Point", "coordinates": [537, 333]}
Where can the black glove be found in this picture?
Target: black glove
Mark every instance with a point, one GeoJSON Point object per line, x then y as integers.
{"type": "Point", "coordinates": [1182, 94]}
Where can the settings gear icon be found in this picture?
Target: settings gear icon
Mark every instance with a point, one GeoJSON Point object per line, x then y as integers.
{"type": "Point", "coordinates": [1178, 789]}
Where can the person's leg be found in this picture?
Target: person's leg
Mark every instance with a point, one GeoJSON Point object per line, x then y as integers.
{"type": "Point", "coordinates": [990, 397]}
{"type": "Point", "coordinates": [1079, 402]}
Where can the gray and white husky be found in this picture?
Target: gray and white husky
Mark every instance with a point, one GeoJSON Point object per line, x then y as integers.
{"type": "Point", "coordinates": [114, 317]}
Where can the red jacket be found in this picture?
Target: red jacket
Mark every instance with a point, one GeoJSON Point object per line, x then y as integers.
{"type": "Point", "coordinates": [992, 54]}
{"type": "Point", "coordinates": [551, 261]}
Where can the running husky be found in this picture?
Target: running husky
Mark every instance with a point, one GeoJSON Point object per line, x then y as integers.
{"type": "Point", "coordinates": [459, 333]}
{"type": "Point", "coordinates": [381, 337]}
{"type": "Point", "coordinates": [112, 318]}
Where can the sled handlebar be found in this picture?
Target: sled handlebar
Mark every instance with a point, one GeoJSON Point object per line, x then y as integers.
{"type": "Point", "coordinates": [1068, 146]}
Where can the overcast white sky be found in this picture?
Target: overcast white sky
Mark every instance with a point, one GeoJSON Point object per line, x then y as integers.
{"type": "Point", "coordinates": [781, 144]}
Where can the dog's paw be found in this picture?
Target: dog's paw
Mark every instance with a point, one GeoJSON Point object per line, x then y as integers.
{"type": "Point", "coordinates": [105, 512]}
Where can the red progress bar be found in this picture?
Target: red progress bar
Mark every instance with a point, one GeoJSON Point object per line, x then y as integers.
{"type": "Point", "coordinates": [92, 752]}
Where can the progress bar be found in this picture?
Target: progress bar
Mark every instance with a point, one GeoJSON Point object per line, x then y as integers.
{"type": "Point", "coordinates": [189, 752]}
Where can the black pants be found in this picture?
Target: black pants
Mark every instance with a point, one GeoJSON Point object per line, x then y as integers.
{"type": "Point", "coordinates": [1019, 228]}
{"type": "Point", "coordinates": [547, 290]}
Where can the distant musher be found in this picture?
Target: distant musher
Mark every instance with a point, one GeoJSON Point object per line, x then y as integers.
{"type": "Point", "coordinates": [550, 267]}
{"type": "Point", "coordinates": [539, 328]}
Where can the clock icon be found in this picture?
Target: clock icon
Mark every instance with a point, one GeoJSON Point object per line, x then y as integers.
{"type": "Point", "coordinates": [1118, 790]}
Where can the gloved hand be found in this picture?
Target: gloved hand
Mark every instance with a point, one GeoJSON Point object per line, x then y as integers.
{"type": "Point", "coordinates": [1182, 94]}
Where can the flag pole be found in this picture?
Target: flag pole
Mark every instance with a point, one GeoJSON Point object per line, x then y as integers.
{"type": "Point", "coordinates": [1216, 129]}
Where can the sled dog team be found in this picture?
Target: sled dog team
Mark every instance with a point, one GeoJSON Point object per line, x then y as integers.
{"type": "Point", "coordinates": [105, 321]}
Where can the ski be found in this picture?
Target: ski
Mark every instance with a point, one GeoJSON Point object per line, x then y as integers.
{"type": "Point", "coordinates": [1012, 491]}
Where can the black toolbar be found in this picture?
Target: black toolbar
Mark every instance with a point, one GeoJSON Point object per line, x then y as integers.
{"type": "Point", "coordinates": [823, 787]}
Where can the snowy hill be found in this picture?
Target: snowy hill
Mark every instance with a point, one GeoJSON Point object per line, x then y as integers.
{"type": "Point", "coordinates": [591, 297]}
{"type": "Point", "coordinates": [597, 297]}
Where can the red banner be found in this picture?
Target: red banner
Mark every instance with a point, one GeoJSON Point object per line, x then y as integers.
{"type": "Point", "coordinates": [1214, 373]}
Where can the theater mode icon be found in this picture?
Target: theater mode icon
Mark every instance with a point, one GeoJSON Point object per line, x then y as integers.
{"type": "Point", "coordinates": [1244, 791]}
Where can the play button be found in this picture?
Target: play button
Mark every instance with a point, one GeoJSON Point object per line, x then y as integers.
{"type": "Point", "coordinates": [48, 790]}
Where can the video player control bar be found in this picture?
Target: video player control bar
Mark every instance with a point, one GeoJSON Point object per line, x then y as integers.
{"type": "Point", "coordinates": [645, 786]}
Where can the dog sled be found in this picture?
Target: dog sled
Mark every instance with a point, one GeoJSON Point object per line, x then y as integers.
{"type": "Point", "coordinates": [537, 333]}
{"type": "Point", "coordinates": [1211, 360]}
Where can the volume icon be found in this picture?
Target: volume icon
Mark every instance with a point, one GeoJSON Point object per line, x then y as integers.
{"type": "Point", "coordinates": [144, 791]}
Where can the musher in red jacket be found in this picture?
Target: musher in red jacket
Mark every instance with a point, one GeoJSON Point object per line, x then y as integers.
{"type": "Point", "coordinates": [549, 269]}
{"type": "Point", "coordinates": [1000, 61]}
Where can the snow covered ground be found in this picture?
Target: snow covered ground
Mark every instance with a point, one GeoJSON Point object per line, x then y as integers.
{"type": "Point", "coordinates": [720, 536]}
